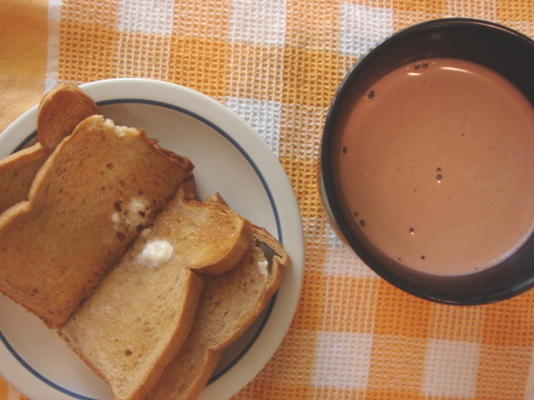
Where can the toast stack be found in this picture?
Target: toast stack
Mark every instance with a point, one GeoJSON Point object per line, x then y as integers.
{"type": "Point", "coordinates": [102, 236]}
{"type": "Point", "coordinates": [156, 297]}
{"type": "Point", "coordinates": [229, 305]}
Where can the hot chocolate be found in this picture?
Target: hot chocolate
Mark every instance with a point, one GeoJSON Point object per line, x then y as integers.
{"type": "Point", "coordinates": [435, 164]}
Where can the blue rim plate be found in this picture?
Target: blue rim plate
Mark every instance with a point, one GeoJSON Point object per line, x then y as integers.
{"type": "Point", "coordinates": [230, 158]}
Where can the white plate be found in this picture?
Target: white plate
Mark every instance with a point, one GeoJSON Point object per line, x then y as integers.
{"type": "Point", "coordinates": [229, 158]}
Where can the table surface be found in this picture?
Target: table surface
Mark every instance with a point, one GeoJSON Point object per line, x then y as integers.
{"type": "Point", "coordinates": [277, 64]}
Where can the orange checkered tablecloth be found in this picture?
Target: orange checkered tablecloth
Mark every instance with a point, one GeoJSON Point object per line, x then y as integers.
{"type": "Point", "coordinates": [277, 64]}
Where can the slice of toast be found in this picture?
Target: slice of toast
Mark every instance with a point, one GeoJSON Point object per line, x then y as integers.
{"type": "Point", "coordinates": [140, 315]}
{"type": "Point", "coordinates": [91, 198]}
{"type": "Point", "coordinates": [229, 305]}
{"type": "Point", "coordinates": [60, 111]}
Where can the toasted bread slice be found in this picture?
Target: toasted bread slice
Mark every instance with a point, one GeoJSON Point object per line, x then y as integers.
{"type": "Point", "coordinates": [91, 198]}
{"type": "Point", "coordinates": [60, 110]}
{"type": "Point", "coordinates": [17, 172]}
{"type": "Point", "coordinates": [228, 306]}
{"type": "Point", "coordinates": [213, 263]}
{"type": "Point", "coordinates": [138, 318]}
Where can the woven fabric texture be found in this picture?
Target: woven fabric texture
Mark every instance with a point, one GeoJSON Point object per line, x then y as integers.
{"type": "Point", "coordinates": [277, 65]}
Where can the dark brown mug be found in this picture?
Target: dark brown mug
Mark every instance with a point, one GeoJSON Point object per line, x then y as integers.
{"type": "Point", "coordinates": [499, 48]}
